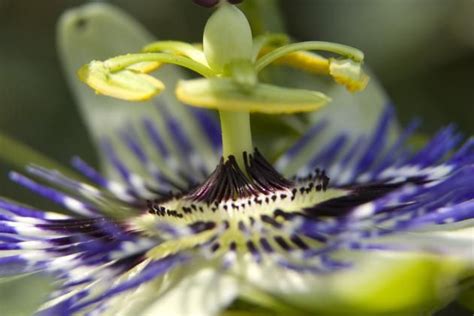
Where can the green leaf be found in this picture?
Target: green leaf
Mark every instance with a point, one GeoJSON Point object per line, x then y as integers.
{"type": "Point", "coordinates": [20, 155]}
{"type": "Point", "coordinates": [34, 290]}
{"type": "Point", "coordinates": [467, 299]}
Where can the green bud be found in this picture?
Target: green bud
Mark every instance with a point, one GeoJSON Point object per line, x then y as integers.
{"type": "Point", "coordinates": [227, 37]}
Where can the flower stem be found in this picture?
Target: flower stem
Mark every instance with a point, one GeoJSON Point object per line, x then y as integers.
{"type": "Point", "coordinates": [236, 135]}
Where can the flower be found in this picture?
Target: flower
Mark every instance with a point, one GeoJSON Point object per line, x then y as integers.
{"type": "Point", "coordinates": [183, 232]}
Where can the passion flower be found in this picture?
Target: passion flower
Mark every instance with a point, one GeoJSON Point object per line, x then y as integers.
{"type": "Point", "coordinates": [188, 230]}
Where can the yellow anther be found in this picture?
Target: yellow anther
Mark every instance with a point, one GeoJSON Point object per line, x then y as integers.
{"type": "Point", "coordinates": [302, 60]}
{"type": "Point", "coordinates": [145, 67]}
{"type": "Point", "coordinates": [125, 84]}
{"type": "Point", "coordinates": [226, 95]}
{"type": "Point", "coordinates": [349, 74]}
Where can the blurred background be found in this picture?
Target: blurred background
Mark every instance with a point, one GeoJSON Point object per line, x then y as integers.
{"type": "Point", "coordinates": [421, 50]}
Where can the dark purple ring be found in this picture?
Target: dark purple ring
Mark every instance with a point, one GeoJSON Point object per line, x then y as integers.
{"type": "Point", "coordinates": [212, 3]}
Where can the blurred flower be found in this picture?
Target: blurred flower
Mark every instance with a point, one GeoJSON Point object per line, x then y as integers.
{"type": "Point", "coordinates": [367, 226]}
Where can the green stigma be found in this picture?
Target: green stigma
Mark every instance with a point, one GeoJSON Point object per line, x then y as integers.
{"type": "Point", "coordinates": [230, 60]}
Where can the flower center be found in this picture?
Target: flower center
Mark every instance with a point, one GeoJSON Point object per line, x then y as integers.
{"type": "Point", "coordinates": [235, 209]}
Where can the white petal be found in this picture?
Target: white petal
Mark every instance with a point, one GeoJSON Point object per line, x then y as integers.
{"type": "Point", "coordinates": [204, 293]}
{"type": "Point", "coordinates": [189, 291]}
{"type": "Point", "coordinates": [100, 31]}
{"type": "Point", "coordinates": [357, 114]}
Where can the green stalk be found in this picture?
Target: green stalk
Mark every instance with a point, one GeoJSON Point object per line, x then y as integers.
{"type": "Point", "coordinates": [227, 46]}
{"type": "Point", "coordinates": [340, 49]}
{"type": "Point", "coordinates": [121, 62]}
{"type": "Point", "coordinates": [236, 135]}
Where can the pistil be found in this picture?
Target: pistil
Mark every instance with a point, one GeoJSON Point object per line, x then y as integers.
{"type": "Point", "coordinates": [236, 135]}
{"type": "Point", "coordinates": [228, 48]}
